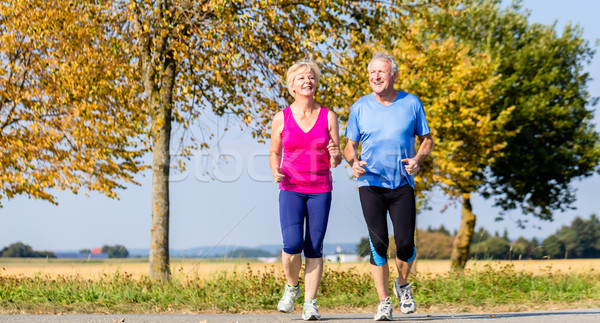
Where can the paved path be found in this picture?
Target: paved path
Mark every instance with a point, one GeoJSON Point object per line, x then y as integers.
{"type": "Point", "coordinates": [578, 316]}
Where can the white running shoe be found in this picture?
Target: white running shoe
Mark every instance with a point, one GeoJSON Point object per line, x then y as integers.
{"type": "Point", "coordinates": [405, 297]}
{"type": "Point", "coordinates": [384, 310]}
{"type": "Point", "coordinates": [286, 303]}
{"type": "Point", "coordinates": [309, 311]}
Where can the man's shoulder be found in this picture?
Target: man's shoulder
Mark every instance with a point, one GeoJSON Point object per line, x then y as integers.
{"type": "Point", "coordinates": [408, 97]}
{"type": "Point", "coordinates": [364, 100]}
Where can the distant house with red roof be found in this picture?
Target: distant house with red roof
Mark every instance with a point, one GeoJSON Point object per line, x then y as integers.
{"type": "Point", "coordinates": [95, 253]}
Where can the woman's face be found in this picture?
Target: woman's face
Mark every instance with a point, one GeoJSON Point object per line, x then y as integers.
{"type": "Point", "coordinates": [305, 84]}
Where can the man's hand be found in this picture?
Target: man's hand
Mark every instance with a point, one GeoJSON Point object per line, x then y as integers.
{"type": "Point", "coordinates": [357, 168]}
{"type": "Point", "coordinates": [411, 166]}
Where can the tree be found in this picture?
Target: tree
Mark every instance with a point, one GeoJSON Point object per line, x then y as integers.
{"type": "Point", "coordinates": [248, 253]}
{"type": "Point", "coordinates": [116, 251]}
{"type": "Point", "coordinates": [227, 57]}
{"type": "Point", "coordinates": [363, 248]}
{"type": "Point", "coordinates": [541, 74]}
{"type": "Point", "coordinates": [525, 249]}
{"type": "Point", "coordinates": [456, 85]}
{"type": "Point", "coordinates": [492, 248]}
{"type": "Point", "coordinates": [588, 235]}
{"type": "Point", "coordinates": [456, 89]}
{"type": "Point", "coordinates": [69, 114]}
{"type": "Point", "coordinates": [535, 249]}
{"type": "Point", "coordinates": [433, 244]}
{"type": "Point", "coordinates": [21, 250]}
{"type": "Point", "coordinates": [553, 247]}
{"type": "Point", "coordinates": [580, 240]}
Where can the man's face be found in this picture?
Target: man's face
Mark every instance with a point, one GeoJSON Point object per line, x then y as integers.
{"type": "Point", "coordinates": [380, 76]}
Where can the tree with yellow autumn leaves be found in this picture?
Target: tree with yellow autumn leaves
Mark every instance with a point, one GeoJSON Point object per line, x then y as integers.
{"type": "Point", "coordinates": [70, 114]}
{"type": "Point", "coordinates": [225, 57]}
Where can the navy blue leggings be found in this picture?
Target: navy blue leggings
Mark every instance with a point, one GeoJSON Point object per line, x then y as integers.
{"type": "Point", "coordinates": [294, 209]}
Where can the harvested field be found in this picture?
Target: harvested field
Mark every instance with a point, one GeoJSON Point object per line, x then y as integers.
{"type": "Point", "coordinates": [183, 269]}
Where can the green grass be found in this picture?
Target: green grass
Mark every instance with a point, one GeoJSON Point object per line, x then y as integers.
{"type": "Point", "coordinates": [245, 290]}
{"type": "Point", "coordinates": [489, 287]}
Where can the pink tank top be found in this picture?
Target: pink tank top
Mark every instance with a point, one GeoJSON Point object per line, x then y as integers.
{"type": "Point", "coordinates": [305, 156]}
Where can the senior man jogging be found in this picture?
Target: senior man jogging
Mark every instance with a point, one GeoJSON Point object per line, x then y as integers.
{"type": "Point", "coordinates": [386, 122]}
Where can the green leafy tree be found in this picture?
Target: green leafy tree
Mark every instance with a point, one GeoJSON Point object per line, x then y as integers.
{"type": "Point", "coordinates": [248, 253]}
{"type": "Point", "coordinates": [363, 248]}
{"type": "Point", "coordinates": [536, 249]}
{"type": "Point", "coordinates": [519, 249]}
{"type": "Point", "coordinates": [21, 250]}
{"type": "Point", "coordinates": [456, 85]}
{"type": "Point", "coordinates": [579, 240]}
{"type": "Point", "coordinates": [116, 251]}
{"type": "Point", "coordinates": [571, 242]}
{"type": "Point", "coordinates": [588, 234]}
{"type": "Point", "coordinates": [491, 248]}
{"type": "Point", "coordinates": [541, 80]}
{"type": "Point", "coordinates": [525, 249]}
{"type": "Point", "coordinates": [442, 229]}
{"type": "Point", "coordinates": [553, 247]}
{"type": "Point", "coordinates": [481, 235]}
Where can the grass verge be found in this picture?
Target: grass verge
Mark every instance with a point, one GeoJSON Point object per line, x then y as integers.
{"type": "Point", "coordinates": [244, 290]}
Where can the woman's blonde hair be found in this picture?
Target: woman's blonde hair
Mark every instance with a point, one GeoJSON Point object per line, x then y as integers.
{"type": "Point", "coordinates": [299, 68]}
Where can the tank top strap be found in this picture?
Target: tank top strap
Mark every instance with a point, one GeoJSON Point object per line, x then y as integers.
{"type": "Point", "coordinates": [322, 118]}
{"type": "Point", "coordinates": [287, 112]}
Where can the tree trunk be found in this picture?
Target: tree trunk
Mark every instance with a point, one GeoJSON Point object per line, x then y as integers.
{"type": "Point", "coordinates": [159, 231]}
{"type": "Point", "coordinates": [161, 161]}
{"type": "Point", "coordinates": [158, 78]}
{"type": "Point", "coordinates": [462, 241]}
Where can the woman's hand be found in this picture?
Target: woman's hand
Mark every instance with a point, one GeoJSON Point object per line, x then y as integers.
{"type": "Point", "coordinates": [278, 175]}
{"type": "Point", "coordinates": [335, 156]}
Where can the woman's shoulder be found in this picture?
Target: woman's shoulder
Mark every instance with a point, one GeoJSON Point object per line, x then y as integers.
{"type": "Point", "coordinates": [330, 113]}
{"type": "Point", "coordinates": [279, 116]}
{"type": "Point", "coordinates": [282, 112]}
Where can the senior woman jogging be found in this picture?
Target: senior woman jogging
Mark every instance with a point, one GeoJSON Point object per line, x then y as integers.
{"type": "Point", "coordinates": [304, 145]}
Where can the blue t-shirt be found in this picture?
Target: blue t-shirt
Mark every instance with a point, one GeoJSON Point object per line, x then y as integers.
{"type": "Point", "coordinates": [388, 135]}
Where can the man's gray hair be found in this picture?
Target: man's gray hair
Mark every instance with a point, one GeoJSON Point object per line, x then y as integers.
{"type": "Point", "coordinates": [385, 57]}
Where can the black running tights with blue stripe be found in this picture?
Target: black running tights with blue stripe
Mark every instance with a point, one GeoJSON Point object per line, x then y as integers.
{"type": "Point", "coordinates": [376, 202]}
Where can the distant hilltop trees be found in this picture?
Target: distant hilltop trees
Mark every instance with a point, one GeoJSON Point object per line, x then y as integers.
{"type": "Point", "coordinates": [21, 250]}
{"type": "Point", "coordinates": [248, 253]}
{"type": "Point", "coordinates": [116, 251]}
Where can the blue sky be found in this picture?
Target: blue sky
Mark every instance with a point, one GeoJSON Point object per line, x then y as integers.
{"type": "Point", "coordinates": [239, 206]}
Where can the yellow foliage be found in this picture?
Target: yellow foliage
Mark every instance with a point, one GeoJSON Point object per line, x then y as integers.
{"type": "Point", "coordinates": [69, 115]}
{"type": "Point", "coordinates": [456, 86]}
